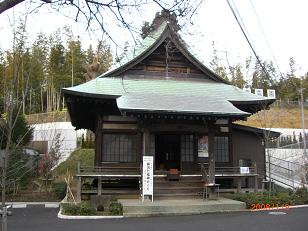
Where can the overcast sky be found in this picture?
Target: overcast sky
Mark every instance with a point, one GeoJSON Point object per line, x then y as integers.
{"type": "Point", "coordinates": [283, 22]}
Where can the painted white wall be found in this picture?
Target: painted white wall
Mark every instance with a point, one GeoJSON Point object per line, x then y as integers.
{"type": "Point", "coordinates": [68, 136]}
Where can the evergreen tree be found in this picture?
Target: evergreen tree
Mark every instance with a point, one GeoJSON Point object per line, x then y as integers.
{"type": "Point", "coordinates": [59, 74]}
{"type": "Point", "coordinates": [264, 77]}
{"type": "Point", "coordinates": [289, 85]}
{"type": "Point", "coordinates": [238, 76]}
{"type": "Point", "coordinates": [216, 66]}
{"type": "Point", "coordinates": [74, 62]}
{"type": "Point", "coordinates": [39, 60]}
{"type": "Point", "coordinates": [21, 134]}
{"type": "Point", "coordinates": [98, 62]}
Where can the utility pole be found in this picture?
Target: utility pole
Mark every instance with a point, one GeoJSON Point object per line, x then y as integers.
{"type": "Point", "coordinates": [303, 120]}
{"type": "Point", "coordinates": [72, 53]}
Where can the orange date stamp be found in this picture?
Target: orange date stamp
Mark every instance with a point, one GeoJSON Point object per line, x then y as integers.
{"type": "Point", "coordinates": [269, 206]}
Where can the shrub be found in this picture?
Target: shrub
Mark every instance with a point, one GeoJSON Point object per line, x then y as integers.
{"type": "Point", "coordinates": [70, 209]}
{"type": "Point", "coordinates": [82, 209]}
{"type": "Point", "coordinates": [301, 196]}
{"type": "Point", "coordinates": [115, 208]}
{"type": "Point", "coordinates": [281, 198]}
{"type": "Point", "coordinates": [100, 208]}
{"type": "Point", "coordinates": [85, 209]}
{"type": "Point", "coordinates": [59, 188]}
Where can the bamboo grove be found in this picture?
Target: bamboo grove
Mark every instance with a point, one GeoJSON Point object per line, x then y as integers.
{"type": "Point", "coordinates": [46, 65]}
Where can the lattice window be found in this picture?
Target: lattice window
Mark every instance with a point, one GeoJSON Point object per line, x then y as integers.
{"type": "Point", "coordinates": [187, 148]}
{"type": "Point", "coordinates": [221, 149]}
{"type": "Point", "coordinates": [119, 148]}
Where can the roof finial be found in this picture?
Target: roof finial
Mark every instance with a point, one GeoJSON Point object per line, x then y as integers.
{"type": "Point", "coordinates": [165, 16]}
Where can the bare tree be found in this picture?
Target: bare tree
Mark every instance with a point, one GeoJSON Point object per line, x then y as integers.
{"type": "Point", "coordinates": [114, 12]}
{"type": "Point", "coordinates": [13, 104]}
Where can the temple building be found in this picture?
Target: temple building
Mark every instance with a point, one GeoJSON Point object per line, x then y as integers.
{"type": "Point", "coordinates": [161, 101]}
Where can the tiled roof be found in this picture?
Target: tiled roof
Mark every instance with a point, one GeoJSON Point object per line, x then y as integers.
{"type": "Point", "coordinates": [178, 103]}
{"type": "Point", "coordinates": [170, 95]}
{"type": "Point", "coordinates": [207, 96]}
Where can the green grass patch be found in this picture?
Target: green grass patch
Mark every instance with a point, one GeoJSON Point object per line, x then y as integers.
{"type": "Point", "coordinates": [84, 156]}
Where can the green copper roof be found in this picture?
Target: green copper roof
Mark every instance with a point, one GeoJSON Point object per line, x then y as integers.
{"type": "Point", "coordinates": [179, 103]}
{"type": "Point", "coordinates": [210, 95]}
{"type": "Point", "coordinates": [170, 95]}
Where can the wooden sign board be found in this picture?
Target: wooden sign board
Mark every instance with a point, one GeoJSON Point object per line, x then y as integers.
{"type": "Point", "coordinates": [147, 177]}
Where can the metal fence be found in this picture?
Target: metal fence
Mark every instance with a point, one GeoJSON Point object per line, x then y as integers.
{"type": "Point", "coordinates": [288, 104]}
{"type": "Point", "coordinates": [288, 165]}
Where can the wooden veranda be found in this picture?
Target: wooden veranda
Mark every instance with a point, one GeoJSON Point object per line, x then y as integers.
{"type": "Point", "coordinates": [163, 185]}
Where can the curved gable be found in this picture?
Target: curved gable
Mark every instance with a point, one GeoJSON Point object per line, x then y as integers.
{"type": "Point", "coordinates": [163, 53]}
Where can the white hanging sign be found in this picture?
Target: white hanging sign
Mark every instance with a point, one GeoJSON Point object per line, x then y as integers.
{"type": "Point", "coordinates": [147, 177]}
{"type": "Point", "coordinates": [244, 170]}
{"type": "Point", "coordinates": [271, 94]}
{"type": "Point", "coordinates": [259, 92]}
{"type": "Point", "coordinates": [203, 144]}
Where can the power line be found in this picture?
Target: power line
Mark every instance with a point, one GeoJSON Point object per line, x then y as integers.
{"type": "Point", "coordinates": [249, 42]}
{"type": "Point", "coordinates": [263, 33]}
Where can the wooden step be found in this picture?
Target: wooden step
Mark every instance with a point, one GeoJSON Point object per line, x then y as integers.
{"type": "Point", "coordinates": [177, 183]}
{"type": "Point", "coordinates": [112, 191]}
{"type": "Point", "coordinates": [178, 190]}
{"type": "Point", "coordinates": [178, 195]}
{"type": "Point", "coordinates": [189, 187]}
{"type": "Point", "coordinates": [182, 179]}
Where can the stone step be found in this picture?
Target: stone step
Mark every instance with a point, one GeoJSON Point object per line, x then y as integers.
{"type": "Point", "coordinates": [136, 208]}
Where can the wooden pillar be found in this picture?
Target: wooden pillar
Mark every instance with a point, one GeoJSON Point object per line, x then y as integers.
{"type": "Point", "coordinates": [256, 183]}
{"type": "Point", "coordinates": [211, 153]}
{"type": "Point", "coordinates": [139, 147]}
{"type": "Point", "coordinates": [78, 199]}
{"type": "Point", "coordinates": [256, 177]}
{"type": "Point", "coordinates": [78, 196]}
{"type": "Point", "coordinates": [239, 185]}
{"type": "Point", "coordinates": [98, 141]}
{"type": "Point", "coordinates": [146, 143]}
{"type": "Point", "coordinates": [99, 186]}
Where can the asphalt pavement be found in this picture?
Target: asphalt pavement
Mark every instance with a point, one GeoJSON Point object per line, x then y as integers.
{"type": "Point", "coordinates": [45, 219]}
